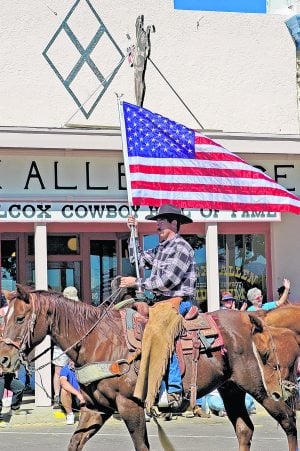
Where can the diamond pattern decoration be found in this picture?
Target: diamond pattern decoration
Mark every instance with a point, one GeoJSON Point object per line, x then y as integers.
{"type": "Point", "coordinates": [73, 54]}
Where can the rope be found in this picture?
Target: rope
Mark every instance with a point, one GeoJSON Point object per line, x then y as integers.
{"type": "Point", "coordinates": [177, 95]}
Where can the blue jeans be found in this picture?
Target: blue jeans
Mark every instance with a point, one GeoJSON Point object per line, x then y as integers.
{"type": "Point", "coordinates": [174, 383]}
{"type": "Point", "coordinates": [26, 378]}
{"type": "Point", "coordinates": [10, 382]}
{"type": "Point", "coordinates": [215, 402]}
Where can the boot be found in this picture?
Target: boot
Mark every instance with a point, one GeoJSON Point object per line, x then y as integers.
{"type": "Point", "coordinates": [198, 412]}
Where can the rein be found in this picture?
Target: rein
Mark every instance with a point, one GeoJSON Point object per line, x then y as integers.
{"type": "Point", "coordinates": [275, 367]}
{"type": "Point", "coordinates": [105, 311]}
{"type": "Point", "coordinates": [285, 385]}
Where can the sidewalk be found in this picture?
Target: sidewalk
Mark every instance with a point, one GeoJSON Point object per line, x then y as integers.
{"type": "Point", "coordinates": [30, 414]}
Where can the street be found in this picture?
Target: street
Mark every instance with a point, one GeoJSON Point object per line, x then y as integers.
{"type": "Point", "coordinates": [185, 434]}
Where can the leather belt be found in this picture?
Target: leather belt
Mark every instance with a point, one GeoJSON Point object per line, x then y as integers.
{"type": "Point", "coordinates": [165, 298]}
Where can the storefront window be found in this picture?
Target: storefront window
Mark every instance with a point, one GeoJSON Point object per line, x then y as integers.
{"type": "Point", "coordinates": [198, 244]}
{"type": "Point", "coordinates": [58, 245]}
{"type": "Point", "coordinates": [103, 264]}
{"type": "Point", "coordinates": [8, 264]}
{"type": "Point", "coordinates": [242, 264]}
{"type": "Point", "coordinates": [127, 268]}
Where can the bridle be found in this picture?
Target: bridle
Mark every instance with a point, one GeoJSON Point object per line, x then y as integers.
{"type": "Point", "coordinates": [285, 385]}
{"type": "Point", "coordinates": [21, 342]}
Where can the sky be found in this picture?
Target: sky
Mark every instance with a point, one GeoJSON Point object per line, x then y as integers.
{"type": "Point", "coordinates": [252, 6]}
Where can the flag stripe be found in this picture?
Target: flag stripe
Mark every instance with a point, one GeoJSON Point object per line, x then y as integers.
{"type": "Point", "coordinates": [167, 162]}
{"type": "Point", "coordinates": [222, 179]}
{"type": "Point", "coordinates": [211, 188]}
{"type": "Point", "coordinates": [211, 171]}
{"type": "Point", "coordinates": [215, 205]}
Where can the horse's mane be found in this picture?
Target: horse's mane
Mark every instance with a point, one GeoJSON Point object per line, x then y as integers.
{"type": "Point", "coordinates": [75, 314]}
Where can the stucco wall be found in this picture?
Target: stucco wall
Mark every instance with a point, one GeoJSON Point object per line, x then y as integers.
{"type": "Point", "coordinates": [236, 72]}
{"type": "Point", "coordinates": [285, 253]}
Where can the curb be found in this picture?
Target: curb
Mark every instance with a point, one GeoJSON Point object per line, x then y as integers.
{"type": "Point", "coordinates": [32, 415]}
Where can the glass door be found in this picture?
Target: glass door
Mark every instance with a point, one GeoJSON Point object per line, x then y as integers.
{"type": "Point", "coordinates": [61, 275]}
{"type": "Point", "coordinates": [103, 268]}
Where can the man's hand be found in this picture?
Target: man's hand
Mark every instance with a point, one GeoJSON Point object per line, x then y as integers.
{"type": "Point", "coordinates": [81, 399]}
{"type": "Point", "coordinates": [128, 282]}
{"type": "Point", "coordinates": [132, 222]}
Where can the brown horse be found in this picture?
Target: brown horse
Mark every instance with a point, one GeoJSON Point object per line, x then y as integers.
{"type": "Point", "coordinates": [286, 316]}
{"type": "Point", "coordinates": [277, 351]}
{"type": "Point", "coordinates": [92, 334]}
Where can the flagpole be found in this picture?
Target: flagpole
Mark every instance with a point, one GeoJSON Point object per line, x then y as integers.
{"type": "Point", "coordinates": [140, 294]}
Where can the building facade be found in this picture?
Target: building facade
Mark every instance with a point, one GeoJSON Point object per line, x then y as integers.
{"type": "Point", "coordinates": [63, 199]}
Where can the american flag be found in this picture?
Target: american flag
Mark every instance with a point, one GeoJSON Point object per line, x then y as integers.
{"type": "Point", "coordinates": [167, 162]}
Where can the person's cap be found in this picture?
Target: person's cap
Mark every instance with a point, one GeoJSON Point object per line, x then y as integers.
{"type": "Point", "coordinates": [227, 296]}
{"type": "Point", "coordinates": [169, 210]}
{"type": "Point", "coordinates": [71, 293]}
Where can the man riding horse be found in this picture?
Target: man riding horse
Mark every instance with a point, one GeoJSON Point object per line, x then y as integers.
{"type": "Point", "coordinates": [173, 277]}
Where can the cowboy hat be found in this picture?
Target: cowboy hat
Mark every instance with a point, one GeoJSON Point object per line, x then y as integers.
{"type": "Point", "coordinates": [227, 296]}
{"type": "Point", "coordinates": [168, 210]}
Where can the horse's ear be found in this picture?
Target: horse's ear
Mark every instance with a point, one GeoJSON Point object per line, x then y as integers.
{"type": "Point", "coordinates": [257, 324]}
{"type": "Point", "coordinates": [23, 293]}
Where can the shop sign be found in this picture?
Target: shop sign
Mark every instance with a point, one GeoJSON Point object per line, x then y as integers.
{"type": "Point", "coordinates": [113, 212]}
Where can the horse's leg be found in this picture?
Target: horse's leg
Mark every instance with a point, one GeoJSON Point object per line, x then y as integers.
{"type": "Point", "coordinates": [286, 417]}
{"type": "Point", "coordinates": [234, 403]}
{"type": "Point", "coordinates": [89, 423]}
{"type": "Point", "coordinates": [134, 417]}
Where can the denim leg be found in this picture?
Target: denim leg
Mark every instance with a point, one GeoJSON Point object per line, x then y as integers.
{"type": "Point", "coordinates": [184, 307]}
{"type": "Point", "coordinates": [174, 376]}
{"type": "Point", "coordinates": [17, 387]}
{"type": "Point", "coordinates": [249, 402]}
{"type": "Point", "coordinates": [22, 375]}
{"type": "Point", "coordinates": [215, 403]}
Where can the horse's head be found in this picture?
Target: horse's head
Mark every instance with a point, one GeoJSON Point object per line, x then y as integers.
{"type": "Point", "coordinates": [276, 350]}
{"type": "Point", "coordinates": [20, 334]}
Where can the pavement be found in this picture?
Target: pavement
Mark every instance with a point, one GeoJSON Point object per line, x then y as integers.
{"type": "Point", "coordinates": [30, 414]}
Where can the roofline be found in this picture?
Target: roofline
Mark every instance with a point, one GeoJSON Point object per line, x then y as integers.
{"type": "Point", "coordinates": [109, 138]}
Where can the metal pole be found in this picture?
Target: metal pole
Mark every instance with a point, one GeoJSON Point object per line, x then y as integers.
{"type": "Point", "coordinates": [139, 293]}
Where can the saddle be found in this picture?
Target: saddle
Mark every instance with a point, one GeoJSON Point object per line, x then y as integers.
{"type": "Point", "coordinates": [198, 334]}
{"type": "Point", "coordinates": [200, 331]}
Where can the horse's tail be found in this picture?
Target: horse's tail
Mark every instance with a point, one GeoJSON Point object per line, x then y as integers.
{"type": "Point", "coordinates": [163, 438]}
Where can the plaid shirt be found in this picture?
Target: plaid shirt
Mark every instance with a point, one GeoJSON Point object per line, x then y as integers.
{"type": "Point", "coordinates": [173, 268]}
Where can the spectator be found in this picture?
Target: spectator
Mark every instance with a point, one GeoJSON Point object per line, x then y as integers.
{"type": "Point", "coordinates": [28, 379]}
{"type": "Point", "coordinates": [227, 301]}
{"type": "Point", "coordinates": [59, 358]}
{"type": "Point", "coordinates": [255, 296]}
{"type": "Point", "coordinates": [280, 292]}
{"type": "Point", "coordinates": [214, 403]}
{"type": "Point", "coordinates": [8, 380]}
{"type": "Point", "coordinates": [70, 391]}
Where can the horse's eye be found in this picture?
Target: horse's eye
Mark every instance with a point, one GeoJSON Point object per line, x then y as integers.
{"type": "Point", "coordinates": [264, 358]}
{"type": "Point", "coordinates": [20, 319]}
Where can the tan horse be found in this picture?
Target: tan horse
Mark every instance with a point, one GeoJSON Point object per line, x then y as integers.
{"type": "Point", "coordinates": [92, 334]}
